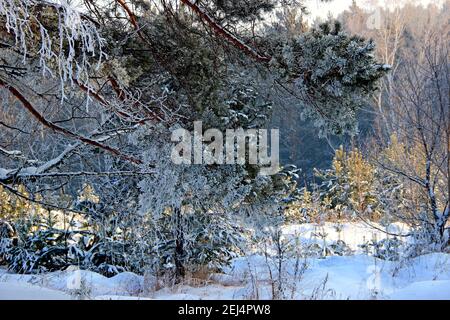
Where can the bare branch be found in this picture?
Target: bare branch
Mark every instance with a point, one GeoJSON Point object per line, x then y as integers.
{"type": "Point", "coordinates": [65, 131]}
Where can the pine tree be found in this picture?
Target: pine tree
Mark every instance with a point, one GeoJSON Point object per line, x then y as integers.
{"type": "Point", "coordinates": [350, 186]}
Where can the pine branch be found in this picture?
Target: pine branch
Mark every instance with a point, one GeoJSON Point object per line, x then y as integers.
{"type": "Point", "coordinates": [222, 32]}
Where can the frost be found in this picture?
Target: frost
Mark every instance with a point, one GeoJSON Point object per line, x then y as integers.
{"type": "Point", "coordinates": [68, 50]}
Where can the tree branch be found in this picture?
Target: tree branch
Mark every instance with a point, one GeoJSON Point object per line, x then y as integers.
{"type": "Point", "coordinates": [64, 131]}
{"type": "Point", "coordinates": [132, 18]}
{"type": "Point", "coordinates": [222, 32]}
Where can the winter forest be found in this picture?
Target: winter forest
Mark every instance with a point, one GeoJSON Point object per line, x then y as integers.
{"type": "Point", "coordinates": [92, 205]}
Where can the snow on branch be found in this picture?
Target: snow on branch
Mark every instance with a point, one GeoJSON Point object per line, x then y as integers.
{"type": "Point", "coordinates": [32, 172]}
{"type": "Point", "coordinates": [14, 175]}
{"type": "Point", "coordinates": [68, 49]}
{"type": "Point", "coordinates": [84, 173]}
{"type": "Point", "coordinates": [11, 153]}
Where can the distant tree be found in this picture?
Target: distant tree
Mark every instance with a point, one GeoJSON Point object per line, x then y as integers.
{"type": "Point", "coordinates": [422, 107]}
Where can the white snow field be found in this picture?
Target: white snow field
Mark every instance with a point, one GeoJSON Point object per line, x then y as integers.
{"type": "Point", "coordinates": [357, 276]}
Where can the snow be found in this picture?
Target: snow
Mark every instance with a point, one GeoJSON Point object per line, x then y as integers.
{"type": "Point", "coordinates": [118, 297]}
{"type": "Point", "coordinates": [424, 290]}
{"type": "Point", "coordinates": [11, 152]}
{"type": "Point", "coordinates": [353, 234]}
{"type": "Point", "coordinates": [126, 284]}
{"type": "Point", "coordinates": [357, 276]}
{"type": "Point", "coordinates": [3, 173]}
{"type": "Point", "coordinates": [22, 291]}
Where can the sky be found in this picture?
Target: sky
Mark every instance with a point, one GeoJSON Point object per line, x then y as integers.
{"type": "Point", "coordinates": [320, 9]}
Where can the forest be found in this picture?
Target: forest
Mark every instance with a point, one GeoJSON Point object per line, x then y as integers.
{"type": "Point", "coordinates": [93, 205]}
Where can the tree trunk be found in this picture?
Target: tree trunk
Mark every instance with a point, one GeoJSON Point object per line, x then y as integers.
{"type": "Point", "coordinates": [179, 246]}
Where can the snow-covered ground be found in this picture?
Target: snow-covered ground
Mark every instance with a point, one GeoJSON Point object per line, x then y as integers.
{"type": "Point", "coordinates": [353, 234]}
{"type": "Point", "coordinates": [357, 276]}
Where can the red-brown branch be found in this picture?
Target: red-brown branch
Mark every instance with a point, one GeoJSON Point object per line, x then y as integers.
{"type": "Point", "coordinates": [123, 96]}
{"type": "Point", "coordinates": [99, 98]}
{"type": "Point", "coordinates": [130, 13]}
{"type": "Point", "coordinates": [62, 130]}
{"type": "Point", "coordinates": [222, 32]}
{"type": "Point", "coordinates": [116, 87]}
{"type": "Point", "coordinates": [96, 96]}
{"type": "Point", "coordinates": [131, 17]}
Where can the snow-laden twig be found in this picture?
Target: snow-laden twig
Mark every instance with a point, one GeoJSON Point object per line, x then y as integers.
{"type": "Point", "coordinates": [42, 171]}
{"type": "Point", "coordinates": [70, 48]}
{"type": "Point", "coordinates": [28, 174]}
{"type": "Point", "coordinates": [11, 153]}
